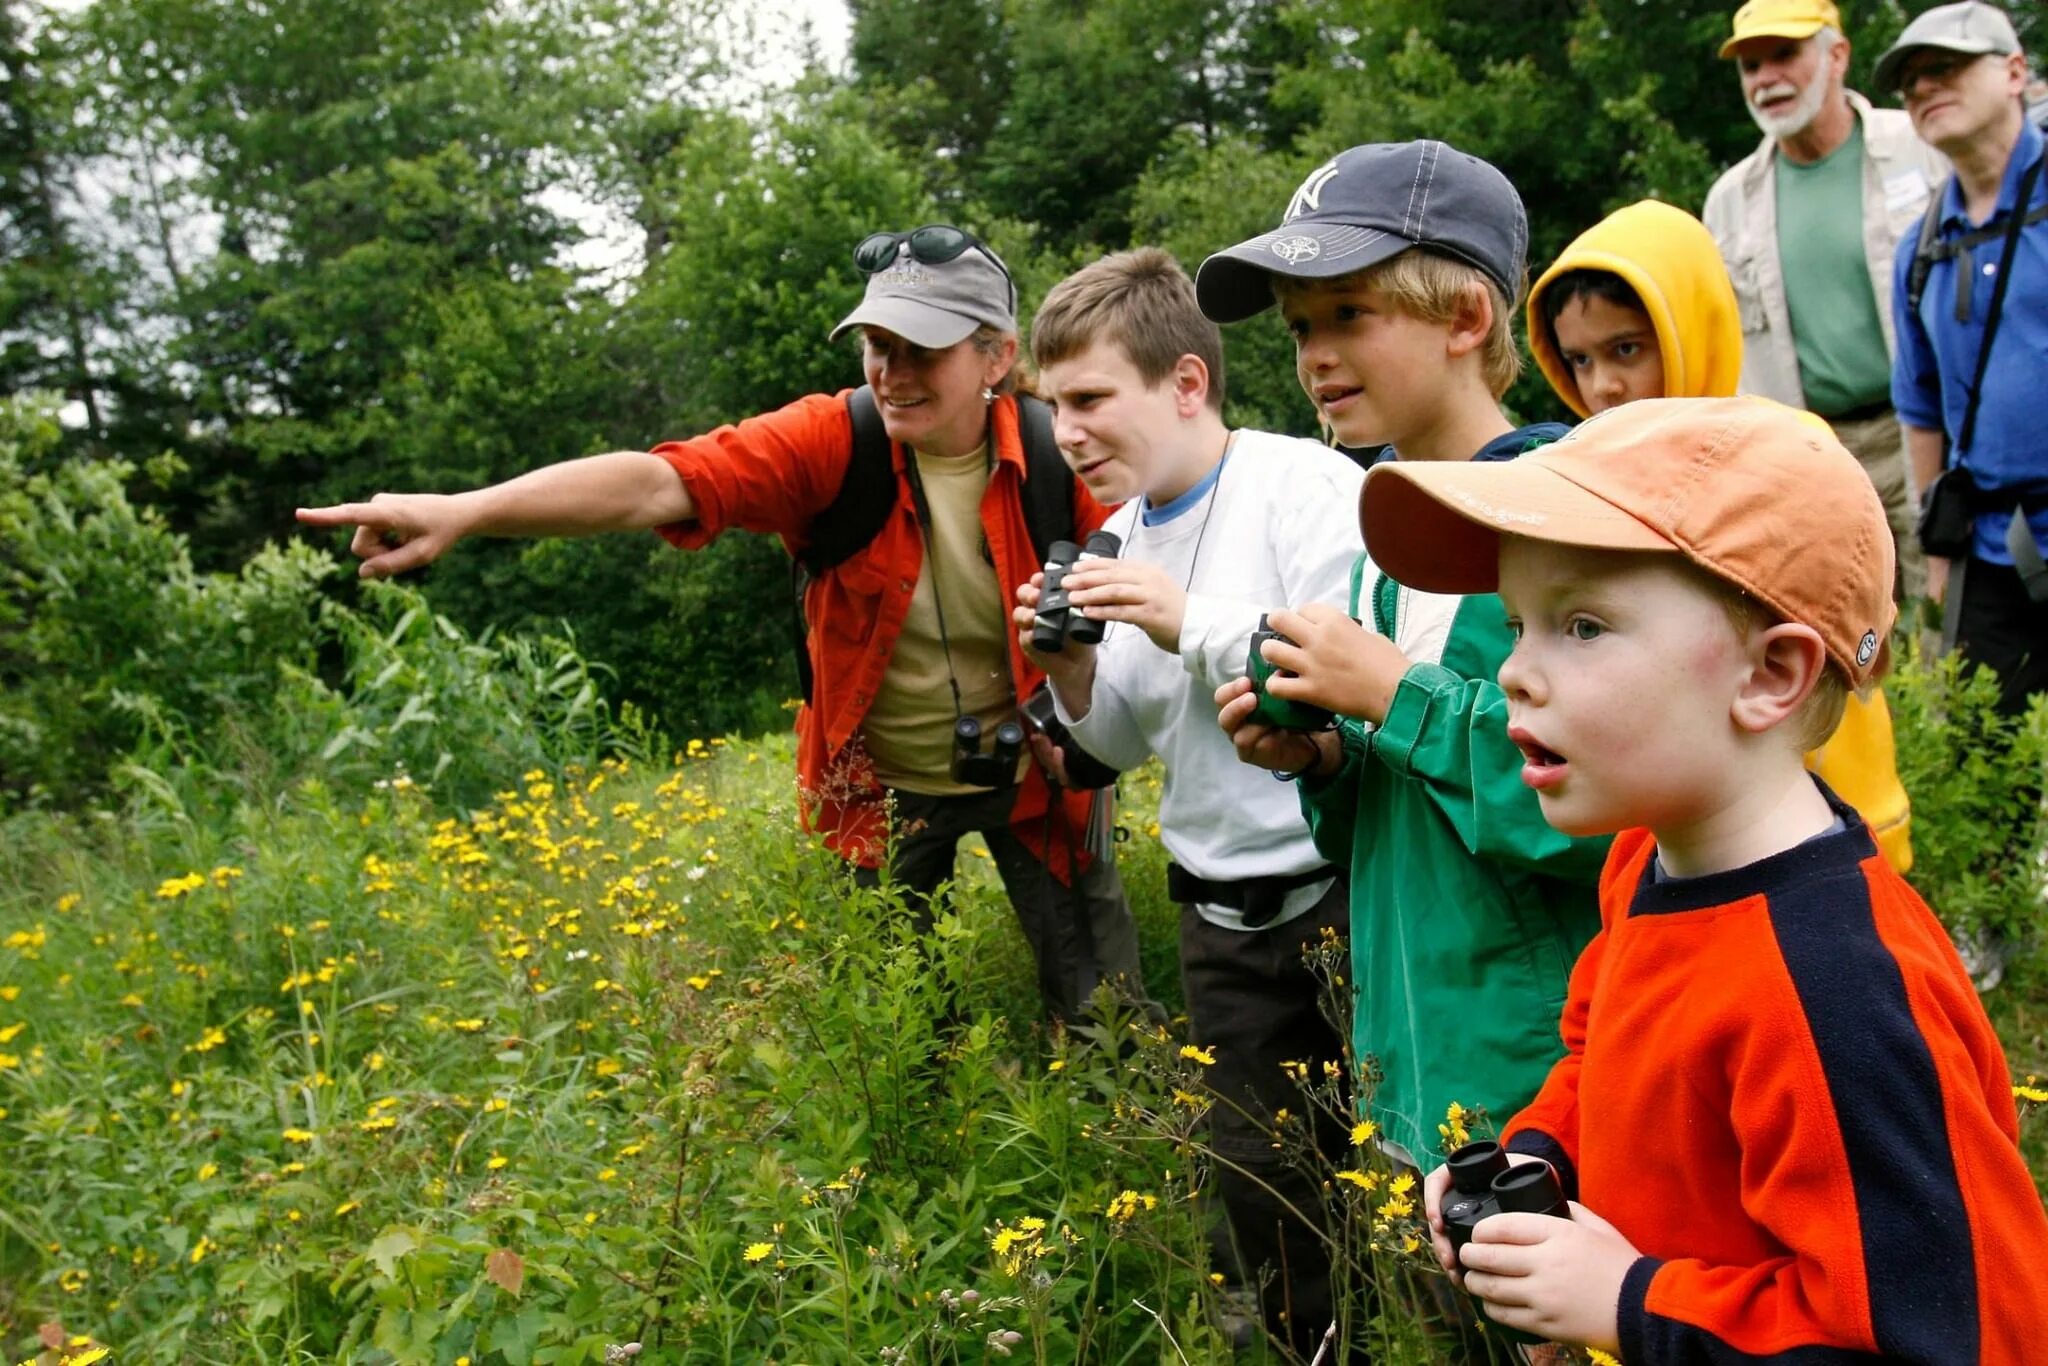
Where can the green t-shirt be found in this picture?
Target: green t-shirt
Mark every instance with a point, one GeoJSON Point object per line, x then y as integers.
{"type": "Point", "coordinates": [1835, 328]}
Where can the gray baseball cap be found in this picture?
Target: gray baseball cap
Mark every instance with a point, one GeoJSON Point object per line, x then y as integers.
{"type": "Point", "coordinates": [1366, 205]}
{"type": "Point", "coordinates": [936, 305]}
{"type": "Point", "coordinates": [1972, 28]}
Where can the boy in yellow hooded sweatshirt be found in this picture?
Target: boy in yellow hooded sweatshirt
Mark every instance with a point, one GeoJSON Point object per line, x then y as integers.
{"type": "Point", "coordinates": [1640, 306]}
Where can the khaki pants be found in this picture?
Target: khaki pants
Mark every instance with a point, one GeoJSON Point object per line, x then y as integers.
{"type": "Point", "coordinates": [1879, 445]}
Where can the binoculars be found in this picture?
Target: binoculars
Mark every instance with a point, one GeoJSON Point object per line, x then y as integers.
{"type": "Point", "coordinates": [1279, 711]}
{"type": "Point", "coordinates": [1057, 621]}
{"type": "Point", "coordinates": [998, 767]}
{"type": "Point", "coordinates": [1483, 1184]}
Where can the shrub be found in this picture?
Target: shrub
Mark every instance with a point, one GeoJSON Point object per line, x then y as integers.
{"type": "Point", "coordinates": [1975, 781]}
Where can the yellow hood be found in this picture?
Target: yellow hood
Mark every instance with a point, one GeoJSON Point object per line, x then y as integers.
{"type": "Point", "coordinates": [1669, 259]}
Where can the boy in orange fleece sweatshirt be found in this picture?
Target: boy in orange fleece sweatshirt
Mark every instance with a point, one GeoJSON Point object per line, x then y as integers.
{"type": "Point", "coordinates": [1787, 1116]}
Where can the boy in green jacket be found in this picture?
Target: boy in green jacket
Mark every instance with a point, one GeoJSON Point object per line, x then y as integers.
{"type": "Point", "coordinates": [1467, 908]}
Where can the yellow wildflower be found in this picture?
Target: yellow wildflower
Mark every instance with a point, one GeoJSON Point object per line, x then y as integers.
{"type": "Point", "coordinates": [7, 1034]}
{"type": "Point", "coordinates": [170, 889]}
{"type": "Point", "coordinates": [757, 1253]}
{"type": "Point", "coordinates": [1362, 1133]}
{"type": "Point", "coordinates": [1365, 1181]}
{"type": "Point", "coordinates": [208, 1170]}
{"type": "Point", "coordinates": [1200, 1055]}
{"type": "Point", "coordinates": [347, 1207]}
{"type": "Point", "coordinates": [469, 1026]}
{"type": "Point", "coordinates": [497, 1161]}
{"type": "Point", "coordinates": [298, 1135]}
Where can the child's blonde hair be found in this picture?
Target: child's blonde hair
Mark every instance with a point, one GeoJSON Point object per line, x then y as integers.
{"type": "Point", "coordinates": [1431, 286]}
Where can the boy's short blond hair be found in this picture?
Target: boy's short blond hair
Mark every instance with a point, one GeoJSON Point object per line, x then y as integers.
{"type": "Point", "coordinates": [1431, 286]}
{"type": "Point", "coordinates": [1143, 302]}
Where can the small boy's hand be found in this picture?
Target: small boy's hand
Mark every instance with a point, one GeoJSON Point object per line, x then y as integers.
{"type": "Point", "coordinates": [1559, 1279]}
{"type": "Point", "coordinates": [1269, 747]}
{"type": "Point", "coordinates": [1135, 591]}
{"type": "Point", "coordinates": [1436, 1189]}
{"type": "Point", "coordinates": [1341, 666]}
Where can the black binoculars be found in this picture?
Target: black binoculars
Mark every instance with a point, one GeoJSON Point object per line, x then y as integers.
{"type": "Point", "coordinates": [1057, 621]}
{"type": "Point", "coordinates": [998, 767]}
{"type": "Point", "coordinates": [1279, 711]}
{"type": "Point", "coordinates": [1483, 1184]}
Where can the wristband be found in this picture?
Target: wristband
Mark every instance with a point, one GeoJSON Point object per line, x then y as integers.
{"type": "Point", "coordinates": [1306, 770]}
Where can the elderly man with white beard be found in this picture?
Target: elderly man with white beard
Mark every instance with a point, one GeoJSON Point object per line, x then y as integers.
{"type": "Point", "coordinates": [1809, 224]}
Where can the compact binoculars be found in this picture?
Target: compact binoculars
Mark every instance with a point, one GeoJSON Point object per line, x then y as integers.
{"type": "Point", "coordinates": [998, 767]}
{"type": "Point", "coordinates": [1279, 711]}
{"type": "Point", "coordinates": [1058, 622]}
{"type": "Point", "coordinates": [1483, 1184]}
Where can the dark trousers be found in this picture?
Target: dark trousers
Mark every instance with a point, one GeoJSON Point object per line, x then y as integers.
{"type": "Point", "coordinates": [1079, 935]}
{"type": "Point", "coordinates": [2000, 626]}
{"type": "Point", "coordinates": [1255, 1004]}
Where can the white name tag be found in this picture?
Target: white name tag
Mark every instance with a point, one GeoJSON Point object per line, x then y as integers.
{"type": "Point", "coordinates": [1906, 192]}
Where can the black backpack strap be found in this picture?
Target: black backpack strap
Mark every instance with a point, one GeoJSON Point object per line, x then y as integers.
{"type": "Point", "coordinates": [2010, 232]}
{"type": "Point", "coordinates": [856, 514]}
{"type": "Point", "coordinates": [867, 491]}
{"type": "Point", "coordinates": [1924, 251]}
{"type": "Point", "coordinates": [1048, 483]}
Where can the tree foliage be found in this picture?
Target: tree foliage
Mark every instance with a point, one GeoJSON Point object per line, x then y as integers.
{"type": "Point", "coordinates": [315, 250]}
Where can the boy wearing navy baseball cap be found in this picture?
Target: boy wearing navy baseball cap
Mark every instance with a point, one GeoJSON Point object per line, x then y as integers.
{"type": "Point", "coordinates": [1397, 267]}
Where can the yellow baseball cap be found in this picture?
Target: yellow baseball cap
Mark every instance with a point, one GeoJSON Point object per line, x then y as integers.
{"type": "Point", "coordinates": [1781, 19]}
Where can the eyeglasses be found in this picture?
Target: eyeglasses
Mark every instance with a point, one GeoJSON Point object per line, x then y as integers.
{"type": "Point", "coordinates": [934, 244]}
{"type": "Point", "coordinates": [1937, 68]}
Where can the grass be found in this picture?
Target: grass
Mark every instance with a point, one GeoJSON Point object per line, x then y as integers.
{"type": "Point", "coordinates": [617, 1059]}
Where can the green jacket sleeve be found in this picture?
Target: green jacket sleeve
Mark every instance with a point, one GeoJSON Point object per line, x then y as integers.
{"type": "Point", "coordinates": [1331, 804]}
{"type": "Point", "coordinates": [1448, 730]}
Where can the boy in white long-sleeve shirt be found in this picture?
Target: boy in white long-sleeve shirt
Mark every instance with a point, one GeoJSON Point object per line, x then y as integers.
{"type": "Point", "coordinates": [1218, 526]}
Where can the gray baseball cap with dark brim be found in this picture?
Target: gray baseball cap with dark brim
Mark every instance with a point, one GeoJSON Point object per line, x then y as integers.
{"type": "Point", "coordinates": [935, 306]}
{"type": "Point", "coordinates": [1367, 205]}
{"type": "Point", "coordinates": [1970, 28]}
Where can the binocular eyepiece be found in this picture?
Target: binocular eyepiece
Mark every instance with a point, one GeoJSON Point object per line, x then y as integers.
{"type": "Point", "coordinates": [1483, 1184]}
{"type": "Point", "coordinates": [1279, 711]}
{"type": "Point", "coordinates": [1057, 621]}
{"type": "Point", "coordinates": [997, 768]}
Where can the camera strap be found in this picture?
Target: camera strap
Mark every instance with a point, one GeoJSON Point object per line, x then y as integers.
{"type": "Point", "coordinates": [2006, 254]}
{"type": "Point", "coordinates": [931, 562]}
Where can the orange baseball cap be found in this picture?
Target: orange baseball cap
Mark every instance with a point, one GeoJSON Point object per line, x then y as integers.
{"type": "Point", "coordinates": [1781, 19]}
{"type": "Point", "coordinates": [1755, 493]}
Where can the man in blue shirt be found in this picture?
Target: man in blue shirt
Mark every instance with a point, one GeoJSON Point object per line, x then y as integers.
{"type": "Point", "coordinates": [1961, 74]}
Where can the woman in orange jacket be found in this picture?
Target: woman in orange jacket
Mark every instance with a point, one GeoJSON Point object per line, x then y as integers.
{"type": "Point", "coordinates": [906, 635]}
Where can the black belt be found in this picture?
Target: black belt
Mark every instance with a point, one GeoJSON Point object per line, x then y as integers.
{"type": "Point", "coordinates": [1257, 899]}
{"type": "Point", "coordinates": [1881, 408]}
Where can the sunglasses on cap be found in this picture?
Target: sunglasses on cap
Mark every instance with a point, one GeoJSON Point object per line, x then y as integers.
{"type": "Point", "coordinates": [934, 244]}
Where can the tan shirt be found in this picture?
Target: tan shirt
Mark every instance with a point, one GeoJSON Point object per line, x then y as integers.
{"type": "Point", "coordinates": [909, 729]}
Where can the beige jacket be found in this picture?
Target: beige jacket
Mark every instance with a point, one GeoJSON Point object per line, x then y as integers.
{"type": "Point", "coordinates": [1899, 173]}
